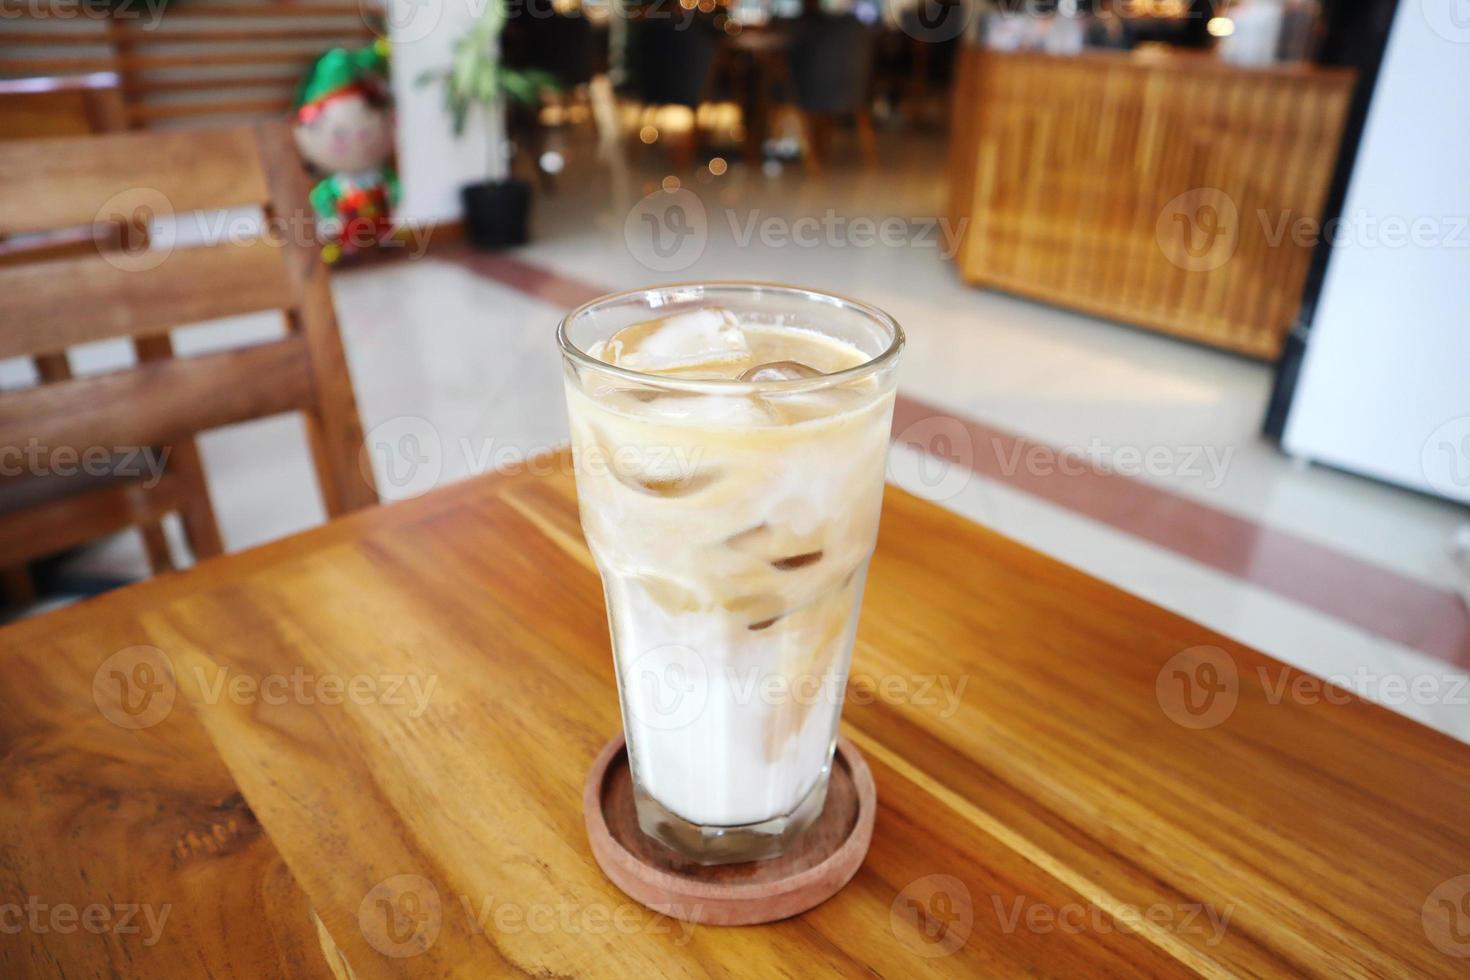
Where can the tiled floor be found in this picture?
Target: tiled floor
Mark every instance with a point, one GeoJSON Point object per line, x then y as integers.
{"type": "Point", "coordinates": [456, 354]}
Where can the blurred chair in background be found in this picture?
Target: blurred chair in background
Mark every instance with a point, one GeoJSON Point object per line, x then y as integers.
{"type": "Point", "coordinates": [668, 61]}
{"type": "Point", "coordinates": [831, 76]}
{"type": "Point", "coordinates": [49, 502]}
{"type": "Point", "coordinates": [926, 46]}
{"type": "Point", "coordinates": [570, 49]}
{"type": "Point", "coordinates": [756, 65]}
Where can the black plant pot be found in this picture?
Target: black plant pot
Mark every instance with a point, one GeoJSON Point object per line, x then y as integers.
{"type": "Point", "coordinates": [496, 212]}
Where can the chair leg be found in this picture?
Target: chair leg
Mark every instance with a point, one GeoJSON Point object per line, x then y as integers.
{"type": "Point", "coordinates": [867, 137]}
{"type": "Point", "coordinates": [605, 118]}
{"type": "Point", "coordinates": [536, 136]}
{"type": "Point", "coordinates": [633, 144]}
{"type": "Point", "coordinates": [201, 529]}
{"type": "Point", "coordinates": [18, 586]}
{"type": "Point", "coordinates": [682, 148]}
{"type": "Point", "coordinates": [752, 131]}
{"type": "Point", "coordinates": [810, 151]}
{"type": "Point", "coordinates": [155, 545]}
{"type": "Point", "coordinates": [698, 141]}
{"type": "Point", "coordinates": [52, 367]}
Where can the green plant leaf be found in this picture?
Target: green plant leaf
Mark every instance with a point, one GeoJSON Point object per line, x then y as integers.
{"type": "Point", "coordinates": [476, 76]}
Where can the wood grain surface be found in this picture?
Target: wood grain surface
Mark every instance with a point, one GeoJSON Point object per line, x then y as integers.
{"type": "Point", "coordinates": [377, 733]}
{"type": "Point", "coordinates": [1179, 193]}
{"type": "Point", "coordinates": [81, 299]}
{"type": "Point", "coordinates": [47, 184]}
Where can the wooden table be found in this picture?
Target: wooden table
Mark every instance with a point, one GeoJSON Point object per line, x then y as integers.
{"type": "Point", "coordinates": [274, 800]}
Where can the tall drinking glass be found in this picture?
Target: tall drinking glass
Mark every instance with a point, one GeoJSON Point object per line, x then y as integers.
{"type": "Point", "coordinates": [730, 441]}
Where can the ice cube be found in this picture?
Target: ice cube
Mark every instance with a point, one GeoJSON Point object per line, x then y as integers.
{"type": "Point", "coordinates": [779, 545]}
{"type": "Point", "coordinates": [779, 371]}
{"type": "Point", "coordinates": [813, 640]}
{"type": "Point", "coordinates": [757, 610]}
{"type": "Point", "coordinates": [660, 475]}
{"type": "Point", "coordinates": [670, 595]}
{"type": "Point", "coordinates": [716, 411]}
{"type": "Point", "coordinates": [703, 339]}
{"type": "Point", "coordinates": [798, 561]}
{"type": "Point", "coordinates": [791, 407]}
{"type": "Point", "coordinates": [660, 471]}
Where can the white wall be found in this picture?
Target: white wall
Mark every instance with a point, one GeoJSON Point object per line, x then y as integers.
{"type": "Point", "coordinates": [1385, 388]}
{"type": "Point", "coordinates": [432, 163]}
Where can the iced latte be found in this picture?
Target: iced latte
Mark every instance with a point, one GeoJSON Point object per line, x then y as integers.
{"type": "Point", "coordinates": [730, 443]}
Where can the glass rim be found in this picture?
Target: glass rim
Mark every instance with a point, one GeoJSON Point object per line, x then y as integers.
{"type": "Point", "coordinates": [872, 365]}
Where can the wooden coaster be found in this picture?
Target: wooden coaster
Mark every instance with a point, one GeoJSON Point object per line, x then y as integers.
{"type": "Point", "coordinates": [823, 860]}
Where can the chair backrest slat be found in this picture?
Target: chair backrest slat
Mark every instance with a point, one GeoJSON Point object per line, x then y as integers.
{"type": "Point", "coordinates": [47, 184]}
{"type": "Point", "coordinates": [160, 402]}
{"type": "Point", "coordinates": [36, 108]}
{"type": "Point", "coordinates": [50, 306]}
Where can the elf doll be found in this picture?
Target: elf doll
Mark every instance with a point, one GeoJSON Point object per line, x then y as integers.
{"type": "Point", "coordinates": [344, 130]}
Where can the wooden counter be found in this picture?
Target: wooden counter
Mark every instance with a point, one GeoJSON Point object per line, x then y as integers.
{"type": "Point", "coordinates": [1171, 192]}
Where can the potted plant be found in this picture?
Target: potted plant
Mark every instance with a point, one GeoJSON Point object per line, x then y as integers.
{"type": "Point", "coordinates": [495, 209]}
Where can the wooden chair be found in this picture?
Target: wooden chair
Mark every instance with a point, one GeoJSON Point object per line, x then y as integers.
{"type": "Point", "coordinates": [52, 303]}
{"type": "Point", "coordinates": [668, 63]}
{"type": "Point", "coordinates": [72, 106]}
{"type": "Point", "coordinates": [81, 105]}
{"type": "Point", "coordinates": [832, 76]}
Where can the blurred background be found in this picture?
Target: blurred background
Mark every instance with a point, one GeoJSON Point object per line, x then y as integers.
{"type": "Point", "coordinates": [1187, 284]}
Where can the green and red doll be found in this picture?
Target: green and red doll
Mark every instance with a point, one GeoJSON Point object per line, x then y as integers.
{"type": "Point", "coordinates": [344, 130]}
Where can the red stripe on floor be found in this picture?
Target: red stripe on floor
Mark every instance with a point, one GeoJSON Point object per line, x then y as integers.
{"type": "Point", "coordinates": [533, 280]}
{"type": "Point", "coordinates": [1377, 600]}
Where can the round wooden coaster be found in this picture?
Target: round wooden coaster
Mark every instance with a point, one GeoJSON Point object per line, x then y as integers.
{"type": "Point", "coordinates": [823, 860]}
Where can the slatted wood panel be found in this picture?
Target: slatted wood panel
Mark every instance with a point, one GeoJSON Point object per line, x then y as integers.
{"type": "Point", "coordinates": [194, 63]}
{"type": "Point", "coordinates": [1145, 190]}
{"type": "Point", "coordinates": [73, 106]}
{"type": "Point", "coordinates": [97, 296]}
{"type": "Point", "coordinates": [160, 402]}
{"type": "Point", "coordinates": [53, 183]}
